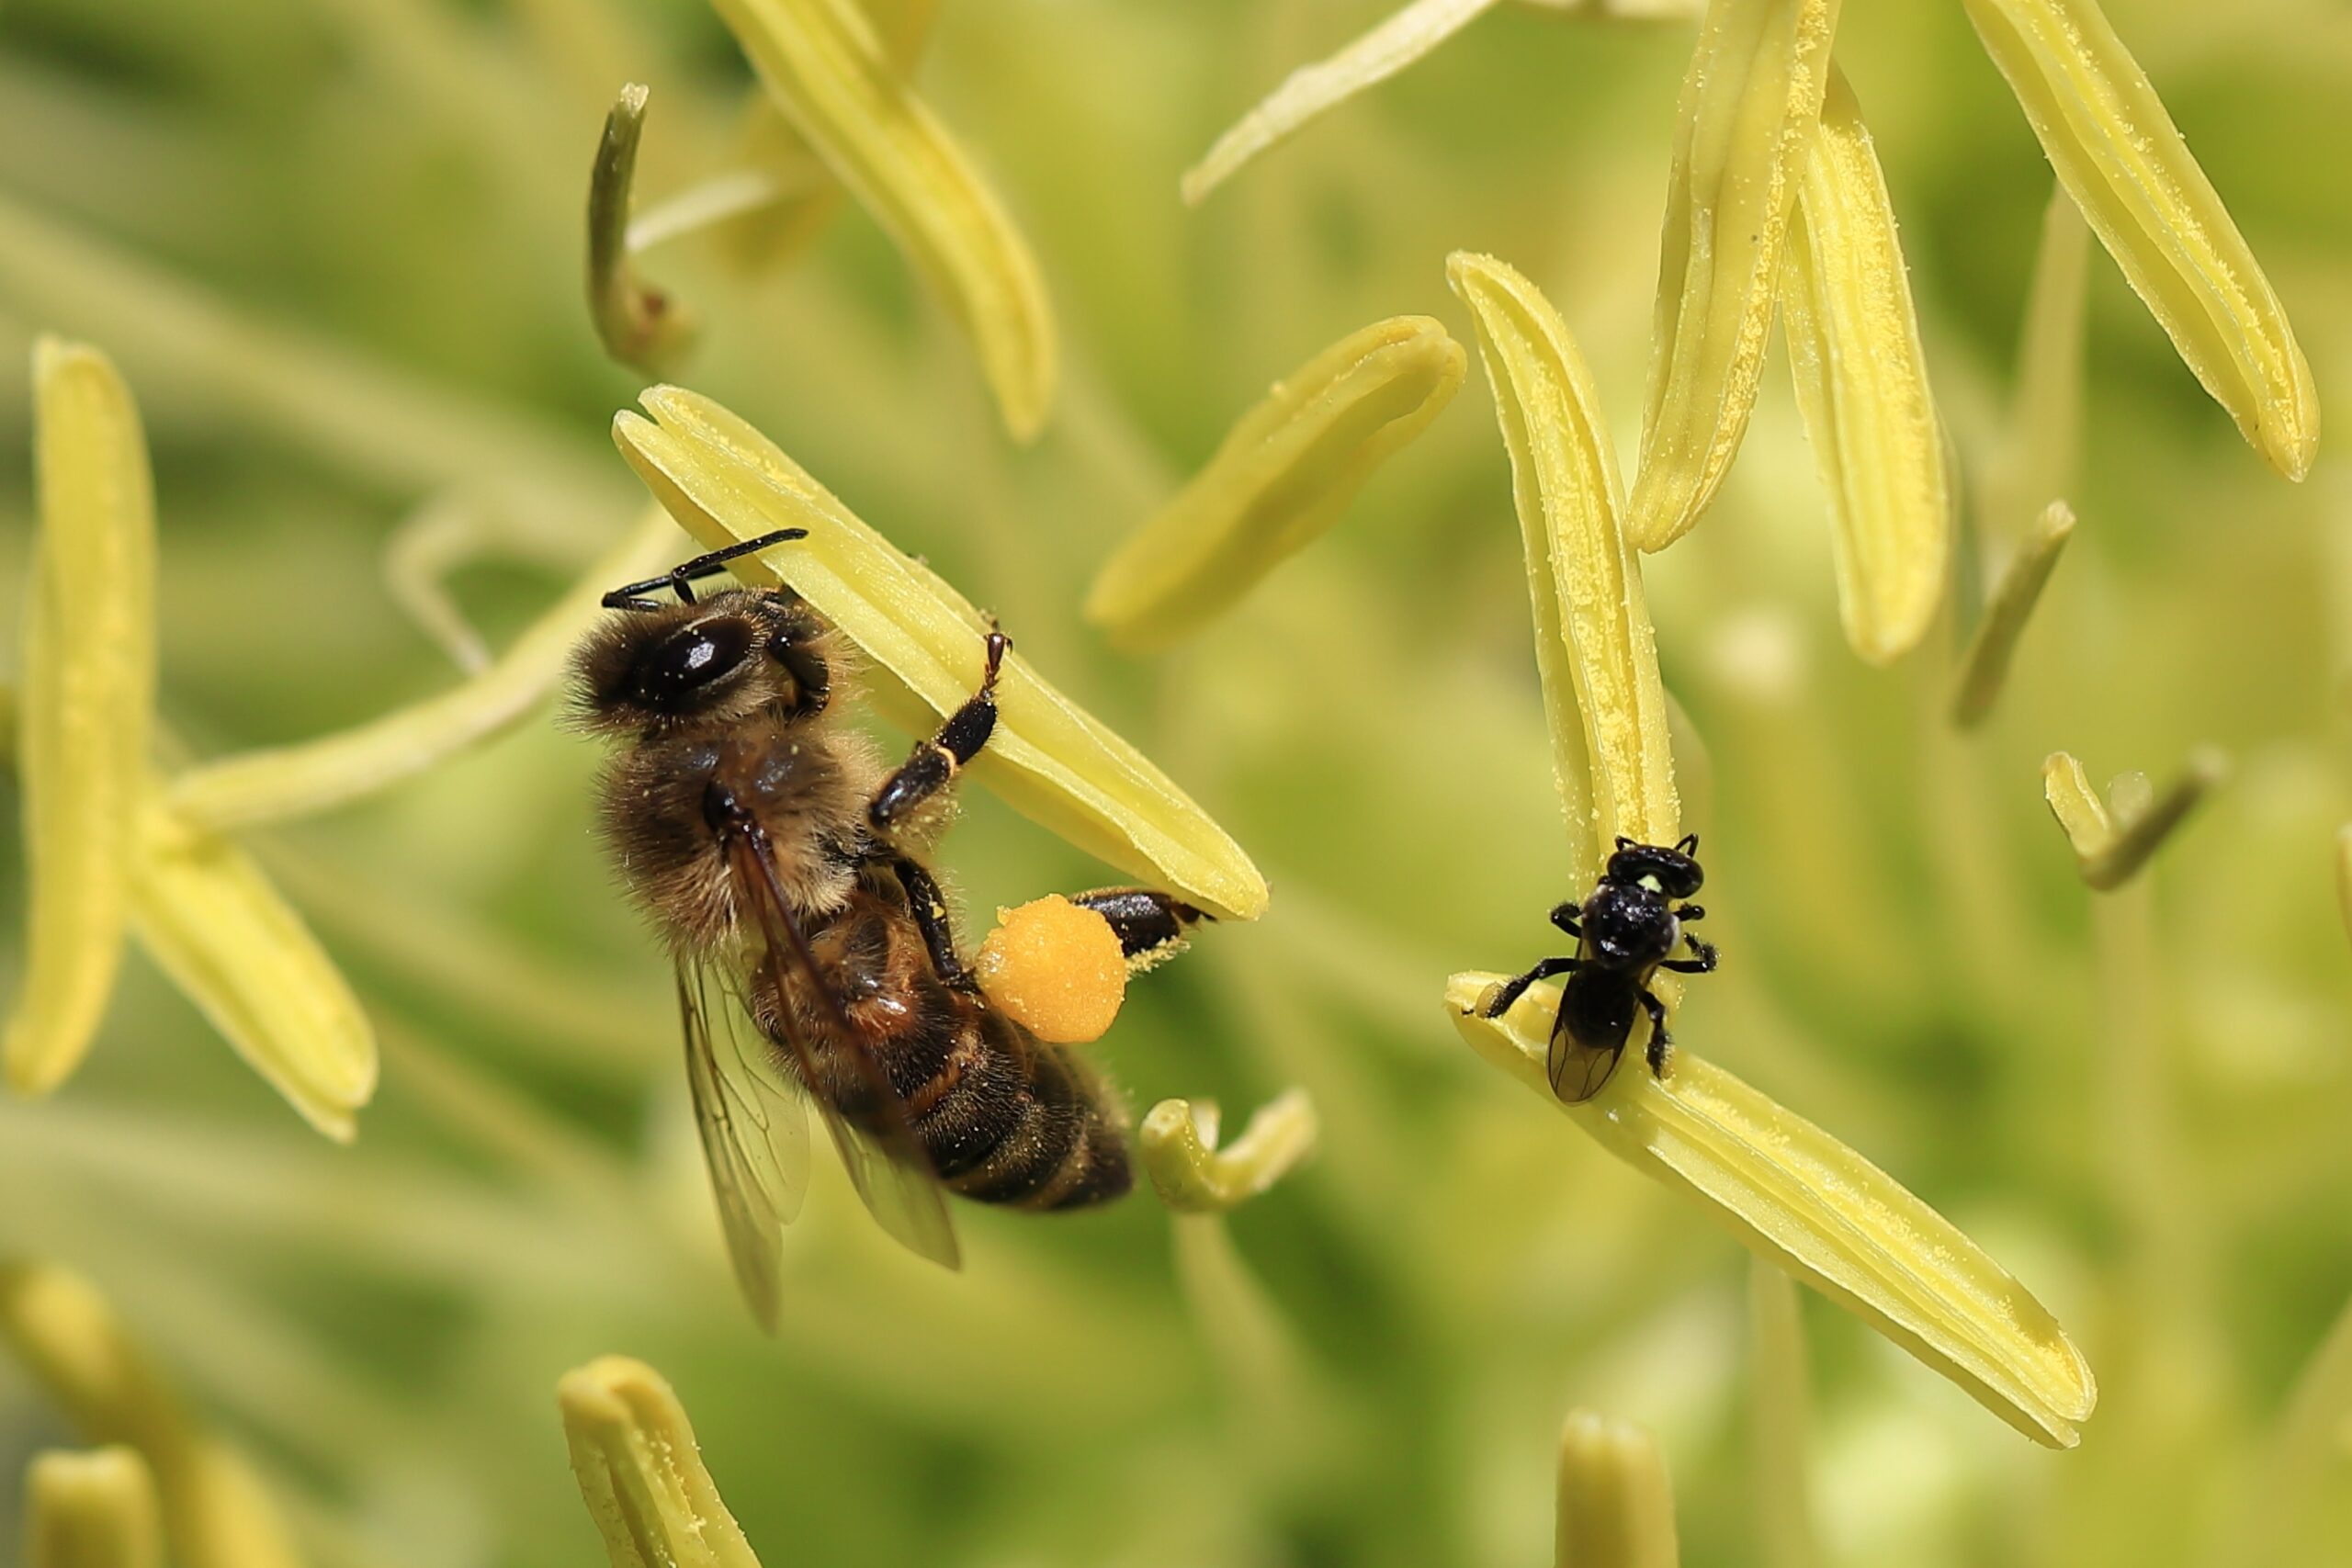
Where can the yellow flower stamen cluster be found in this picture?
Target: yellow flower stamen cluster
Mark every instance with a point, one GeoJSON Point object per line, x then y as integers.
{"type": "Point", "coordinates": [116, 849]}
{"type": "Point", "coordinates": [1799, 1198]}
{"type": "Point", "coordinates": [213, 1509]}
{"type": "Point", "coordinates": [1775, 200]}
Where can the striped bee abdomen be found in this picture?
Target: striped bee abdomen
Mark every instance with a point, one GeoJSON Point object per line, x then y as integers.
{"type": "Point", "coordinates": [1004, 1117]}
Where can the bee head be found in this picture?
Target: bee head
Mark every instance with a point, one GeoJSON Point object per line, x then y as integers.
{"type": "Point", "coordinates": [723, 658]}
{"type": "Point", "coordinates": [1673, 871]}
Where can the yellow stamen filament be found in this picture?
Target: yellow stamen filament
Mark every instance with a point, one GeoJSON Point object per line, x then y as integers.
{"type": "Point", "coordinates": [1593, 644]}
{"type": "Point", "coordinates": [318, 775]}
{"type": "Point", "coordinates": [212, 922]}
{"type": "Point", "coordinates": [1283, 476]}
{"type": "Point", "coordinates": [1048, 759]}
{"type": "Point", "coordinates": [641, 1471]}
{"type": "Point", "coordinates": [1810, 1205]}
{"type": "Point", "coordinates": [1781, 1427]}
{"type": "Point", "coordinates": [1394, 43]}
{"type": "Point", "coordinates": [2112, 839]}
{"type": "Point", "coordinates": [826, 68]}
{"type": "Point", "coordinates": [1751, 104]}
{"type": "Point", "coordinates": [1616, 1505]}
{"type": "Point", "coordinates": [1985, 667]}
{"type": "Point", "coordinates": [639, 325]}
{"type": "Point", "coordinates": [2344, 873]}
{"type": "Point", "coordinates": [1861, 380]}
{"type": "Point", "coordinates": [92, 1510]}
{"type": "Point", "coordinates": [798, 195]}
{"type": "Point", "coordinates": [1179, 1141]}
{"type": "Point", "coordinates": [2043, 446]}
{"type": "Point", "coordinates": [88, 692]}
{"type": "Point", "coordinates": [2118, 155]}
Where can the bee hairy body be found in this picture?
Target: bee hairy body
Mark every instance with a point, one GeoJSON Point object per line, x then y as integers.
{"type": "Point", "coordinates": [742, 786]}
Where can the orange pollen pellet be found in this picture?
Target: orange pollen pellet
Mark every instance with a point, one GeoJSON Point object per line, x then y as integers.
{"type": "Point", "coordinates": [1055, 969]}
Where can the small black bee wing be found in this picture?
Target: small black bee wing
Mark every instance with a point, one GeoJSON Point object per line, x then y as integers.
{"type": "Point", "coordinates": [755, 1134]}
{"type": "Point", "coordinates": [1578, 1070]}
{"type": "Point", "coordinates": [885, 1163]}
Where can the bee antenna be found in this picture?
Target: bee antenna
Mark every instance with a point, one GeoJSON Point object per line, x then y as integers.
{"type": "Point", "coordinates": [1690, 844]}
{"type": "Point", "coordinates": [631, 596]}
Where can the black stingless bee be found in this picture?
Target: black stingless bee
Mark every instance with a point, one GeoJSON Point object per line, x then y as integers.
{"type": "Point", "coordinates": [786, 867]}
{"type": "Point", "coordinates": [1626, 931]}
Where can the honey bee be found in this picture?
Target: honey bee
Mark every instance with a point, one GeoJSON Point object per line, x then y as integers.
{"type": "Point", "coordinates": [1626, 931]}
{"type": "Point", "coordinates": [815, 958]}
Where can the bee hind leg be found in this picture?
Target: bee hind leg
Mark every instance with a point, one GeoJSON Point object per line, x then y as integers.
{"type": "Point", "coordinates": [1152, 927]}
{"type": "Point", "coordinates": [935, 762]}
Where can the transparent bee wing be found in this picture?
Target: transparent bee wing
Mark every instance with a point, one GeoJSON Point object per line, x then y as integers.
{"type": "Point", "coordinates": [1578, 1070]}
{"type": "Point", "coordinates": [754, 1135]}
{"type": "Point", "coordinates": [885, 1163]}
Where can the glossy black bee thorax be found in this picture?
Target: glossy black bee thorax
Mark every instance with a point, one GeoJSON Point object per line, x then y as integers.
{"type": "Point", "coordinates": [1627, 930]}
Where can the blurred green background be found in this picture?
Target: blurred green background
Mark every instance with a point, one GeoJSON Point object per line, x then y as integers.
{"type": "Point", "coordinates": [336, 249]}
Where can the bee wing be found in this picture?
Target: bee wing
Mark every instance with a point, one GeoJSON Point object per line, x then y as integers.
{"type": "Point", "coordinates": [754, 1135]}
{"type": "Point", "coordinates": [1578, 1070]}
{"type": "Point", "coordinates": [885, 1163]}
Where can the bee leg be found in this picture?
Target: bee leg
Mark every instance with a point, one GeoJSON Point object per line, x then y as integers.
{"type": "Point", "coordinates": [1659, 1038]}
{"type": "Point", "coordinates": [935, 762]}
{"type": "Point", "coordinates": [1508, 991]}
{"type": "Point", "coordinates": [1702, 959]}
{"type": "Point", "coordinates": [1567, 916]}
{"type": "Point", "coordinates": [1689, 912]}
{"type": "Point", "coordinates": [930, 911]}
{"type": "Point", "coordinates": [1152, 926]}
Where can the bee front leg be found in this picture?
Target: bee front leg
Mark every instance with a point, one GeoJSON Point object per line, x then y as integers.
{"type": "Point", "coordinates": [1702, 959]}
{"type": "Point", "coordinates": [1659, 1038]}
{"type": "Point", "coordinates": [1508, 991]}
{"type": "Point", "coordinates": [935, 762]}
{"type": "Point", "coordinates": [1152, 926]}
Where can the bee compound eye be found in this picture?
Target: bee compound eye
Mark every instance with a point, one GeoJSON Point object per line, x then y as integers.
{"type": "Point", "coordinates": [691, 658]}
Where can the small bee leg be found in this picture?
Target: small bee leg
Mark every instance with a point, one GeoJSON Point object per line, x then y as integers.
{"type": "Point", "coordinates": [1150, 925]}
{"type": "Point", "coordinates": [1659, 1038]}
{"type": "Point", "coordinates": [1567, 917]}
{"type": "Point", "coordinates": [933, 767]}
{"type": "Point", "coordinates": [930, 911]}
{"type": "Point", "coordinates": [677, 578]}
{"type": "Point", "coordinates": [1689, 912]}
{"type": "Point", "coordinates": [1702, 959]}
{"type": "Point", "coordinates": [1511, 989]}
